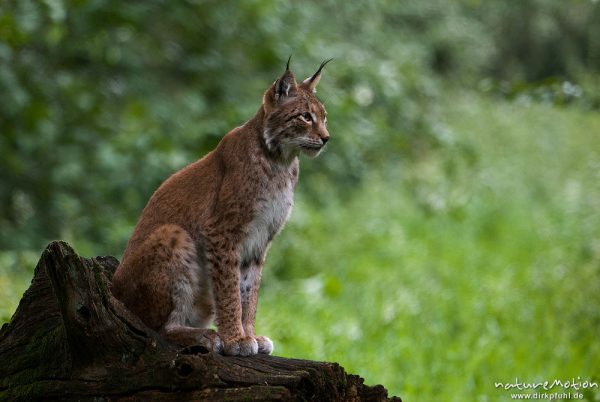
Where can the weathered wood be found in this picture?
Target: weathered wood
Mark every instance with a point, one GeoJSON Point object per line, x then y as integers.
{"type": "Point", "coordinates": [70, 339]}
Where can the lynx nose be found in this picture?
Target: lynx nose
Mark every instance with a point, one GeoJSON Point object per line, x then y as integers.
{"type": "Point", "coordinates": [325, 139]}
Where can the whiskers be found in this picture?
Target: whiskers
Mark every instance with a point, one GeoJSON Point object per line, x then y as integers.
{"type": "Point", "coordinates": [305, 142]}
{"type": "Point", "coordinates": [287, 144]}
{"type": "Point", "coordinates": [308, 146]}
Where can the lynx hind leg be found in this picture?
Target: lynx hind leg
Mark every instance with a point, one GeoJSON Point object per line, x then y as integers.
{"type": "Point", "coordinates": [174, 261]}
{"type": "Point", "coordinates": [196, 331]}
{"type": "Point", "coordinates": [182, 335]}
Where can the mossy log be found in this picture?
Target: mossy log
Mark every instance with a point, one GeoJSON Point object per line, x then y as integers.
{"type": "Point", "coordinates": [70, 339]}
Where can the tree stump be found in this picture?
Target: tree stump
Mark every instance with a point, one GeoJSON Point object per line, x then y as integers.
{"type": "Point", "coordinates": [70, 339]}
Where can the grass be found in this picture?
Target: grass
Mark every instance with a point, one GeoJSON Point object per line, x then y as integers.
{"type": "Point", "coordinates": [479, 264]}
{"type": "Point", "coordinates": [16, 272]}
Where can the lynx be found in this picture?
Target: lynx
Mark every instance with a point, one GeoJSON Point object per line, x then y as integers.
{"type": "Point", "coordinates": [197, 252]}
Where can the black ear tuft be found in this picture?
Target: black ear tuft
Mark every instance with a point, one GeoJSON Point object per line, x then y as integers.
{"type": "Point", "coordinates": [287, 66]}
{"type": "Point", "coordinates": [311, 82]}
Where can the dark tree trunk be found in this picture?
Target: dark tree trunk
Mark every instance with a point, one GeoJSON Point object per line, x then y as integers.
{"type": "Point", "coordinates": [70, 339]}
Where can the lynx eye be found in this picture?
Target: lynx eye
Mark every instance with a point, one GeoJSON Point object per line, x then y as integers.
{"type": "Point", "coordinates": [307, 117]}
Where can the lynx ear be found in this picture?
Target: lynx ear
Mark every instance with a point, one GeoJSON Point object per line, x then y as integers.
{"type": "Point", "coordinates": [311, 82]}
{"type": "Point", "coordinates": [283, 88]}
{"type": "Point", "coordinates": [286, 85]}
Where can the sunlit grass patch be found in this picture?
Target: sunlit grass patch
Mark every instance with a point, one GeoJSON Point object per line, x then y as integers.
{"type": "Point", "coordinates": [440, 283]}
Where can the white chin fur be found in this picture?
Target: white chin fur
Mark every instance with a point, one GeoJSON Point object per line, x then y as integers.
{"type": "Point", "coordinates": [311, 152]}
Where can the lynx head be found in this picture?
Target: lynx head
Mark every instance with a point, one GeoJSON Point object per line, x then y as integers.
{"type": "Point", "coordinates": [295, 120]}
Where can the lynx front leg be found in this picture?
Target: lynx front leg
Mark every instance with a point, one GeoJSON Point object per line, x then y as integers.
{"type": "Point", "coordinates": [250, 283]}
{"type": "Point", "coordinates": [225, 275]}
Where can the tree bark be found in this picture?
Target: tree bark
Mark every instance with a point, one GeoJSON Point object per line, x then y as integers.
{"type": "Point", "coordinates": [70, 339]}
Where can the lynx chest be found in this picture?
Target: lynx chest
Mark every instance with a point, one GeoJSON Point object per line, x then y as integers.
{"type": "Point", "coordinates": [271, 211]}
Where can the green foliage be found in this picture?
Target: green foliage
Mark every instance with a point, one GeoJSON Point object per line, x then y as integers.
{"type": "Point", "coordinates": [102, 100]}
{"type": "Point", "coordinates": [16, 272]}
{"type": "Point", "coordinates": [446, 239]}
{"type": "Point", "coordinates": [441, 287]}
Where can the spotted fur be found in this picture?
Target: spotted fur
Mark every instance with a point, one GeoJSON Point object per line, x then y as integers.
{"type": "Point", "coordinates": [197, 252]}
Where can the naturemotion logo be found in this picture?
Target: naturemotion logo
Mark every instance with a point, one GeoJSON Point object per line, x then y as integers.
{"type": "Point", "coordinates": [557, 389]}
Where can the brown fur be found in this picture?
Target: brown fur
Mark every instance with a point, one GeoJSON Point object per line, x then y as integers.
{"type": "Point", "coordinates": [197, 252]}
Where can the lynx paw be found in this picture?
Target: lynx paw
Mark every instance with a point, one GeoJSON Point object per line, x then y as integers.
{"type": "Point", "coordinates": [211, 340]}
{"type": "Point", "coordinates": [246, 346]}
{"type": "Point", "coordinates": [194, 338]}
{"type": "Point", "coordinates": [265, 345]}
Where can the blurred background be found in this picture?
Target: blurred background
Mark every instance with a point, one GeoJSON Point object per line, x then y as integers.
{"type": "Point", "coordinates": [448, 238]}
